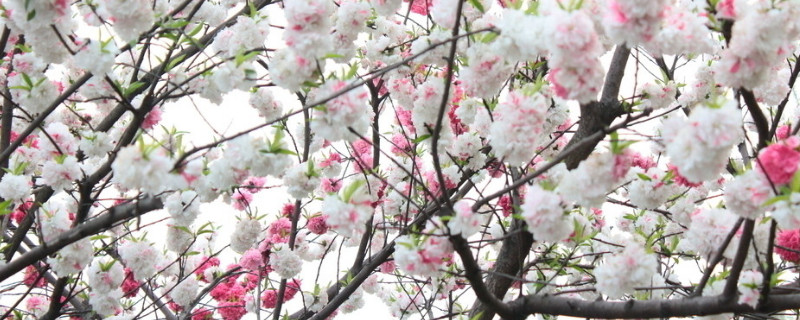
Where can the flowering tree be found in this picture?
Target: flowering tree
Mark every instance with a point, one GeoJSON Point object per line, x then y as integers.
{"type": "Point", "coordinates": [455, 159]}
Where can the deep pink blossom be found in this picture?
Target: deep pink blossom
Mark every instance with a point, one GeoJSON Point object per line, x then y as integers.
{"type": "Point", "coordinates": [317, 224]}
{"type": "Point", "coordinates": [789, 239]}
{"type": "Point", "coordinates": [779, 161]}
{"type": "Point", "coordinates": [130, 287]}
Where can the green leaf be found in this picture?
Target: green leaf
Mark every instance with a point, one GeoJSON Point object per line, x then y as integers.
{"type": "Point", "coordinates": [348, 192]}
{"type": "Point", "coordinates": [99, 237]}
{"type": "Point", "coordinates": [176, 24]}
{"type": "Point", "coordinates": [332, 56]}
{"type": "Point", "coordinates": [196, 30]}
{"type": "Point", "coordinates": [477, 4]}
{"type": "Point", "coordinates": [4, 207]}
{"type": "Point", "coordinates": [775, 199]}
{"type": "Point", "coordinates": [27, 80]}
{"type": "Point", "coordinates": [421, 138]}
{"type": "Point", "coordinates": [644, 177]}
{"type": "Point", "coordinates": [244, 57]}
{"type": "Point", "coordinates": [488, 37]}
{"type": "Point", "coordinates": [795, 185]}
{"type": "Point", "coordinates": [171, 64]}
{"type": "Point", "coordinates": [132, 88]}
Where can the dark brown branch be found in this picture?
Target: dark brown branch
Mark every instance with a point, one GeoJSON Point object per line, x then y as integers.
{"type": "Point", "coordinates": [658, 308]}
{"type": "Point", "coordinates": [103, 222]}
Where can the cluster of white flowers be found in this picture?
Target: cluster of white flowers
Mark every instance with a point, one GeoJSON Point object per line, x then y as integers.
{"type": "Point", "coordinates": [350, 20]}
{"type": "Point", "coordinates": [72, 258]}
{"type": "Point", "coordinates": [15, 187]}
{"type": "Point", "coordinates": [285, 262]}
{"type": "Point", "coordinates": [33, 92]}
{"type": "Point", "coordinates": [97, 57]}
{"type": "Point", "coordinates": [486, 73]}
{"type": "Point", "coordinates": [60, 173]}
{"type": "Point", "coordinates": [105, 277]}
{"type": "Point", "coordinates": [657, 96]}
{"type": "Point", "coordinates": [464, 221]}
{"type": "Point", "coordinates": [749, 282]}
{"type": "Point", "coordinates": [633, 22]}
{"type": "Point", "coordinates": [307, 37]}
{"type": "Point", "coordinates": [574, 47]}
{"type": "Point", "coordinates": [759, 40]}
{"type": "Point", "coordinates": [423, 258]}
{"type": "Point", "coordinates": [699, 146]}
{"type": "Point", "coordinates": [183, 206]}
{"type": "Point", "coordinates": [349, 211]}
{"type": "Point", "coordinates": [746, 194]}
{"type": "Point", "coordinates": [519, 127]}
{"type": "Point", "coordinates": [37, 20]}
{"type": "Point", "coordinates": [427, 100]}
{"type": "Point", "coordinates": [683, 31]}
{"type": "Point", "coordinates": [246, 235]}
{"type": "Point", "coordinates": [349, 110]}
{"type": "Point", "coordinates": [354, 302]}
{"type": "Point", "coordinates": [786, 212]}
{"type": "Point", "coordinates": [707, 232]}
{"type": "Point", "coordinates": [466, 148]}
{"type": "Point", "coordinates": [184, 291]}
{"type": "Point", "coordinates": [544, 212]}
{"type": "Point", "coordinates": [227, 77]}
{"type": "Point", "coordinates": [620, 273]}
{"type": "Point", "coordinates": [589, 183]}
{"type": "Point", "coordinates": [247, 34]}
{"type": "Point", "coordinates": [141, 257]}
{"type": "Point", "coordinates": [301, 180]}
{"type": "Point", "coordinates": [264, 102]}
{"type": "Point", "coordinates": [652, 193]}
{"type": "Point", "coordinates": [520, 35]}
{"type": "Point", "coordinates": [148, 173]}
{"type": "Point", "coordinates": [289, 69]}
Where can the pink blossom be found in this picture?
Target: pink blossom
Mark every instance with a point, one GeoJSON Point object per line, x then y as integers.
{"type": "Point", "coordinates": [622, 163]}
{"type": "Point", "coordinates": [287, 210]}
{"type": "Point", "coordinates": [152, 119]}
{"type": "Point", "coordinates": [388, 267]}
{"type": "Point", "coordinates": [252, 260]}
{"type": "Point", "coordinates": [789, 239]}
{"type": "Point", "coordinates": [35, 303]}
{"type": "Point", "coordinates": [200, 271]}
{"type": "Point", "coordinates": [782, 132]}
{"type": "Point", "coordinates": [404, 118]}
{"type": "Point", "coordinates": [203, 314]}
{"type": "Point", "coordinates": [231, 310]}
{"type": "Point", "coordinates": [20, 211]}
{"type": "Point", "coordinates": [330, 185]}
{"type": "Point", "coordinates": [317, 224]}
{"type": "Point", "coordinates": [779, 161]}
{"type": "Point", "coordinates": [726, 9]}
{"type": "Point", "coordinates": [241, 199]}
{"type": "Point", "coordinates": [681, 180]}
{"type": "Point", "coordinates": [505, 204]}
{"type": "Point", "coordinates": [269, 299]}
{"type": "Point", "coordinates": [280, 230]}
{"type": "Point", "coordinates": [32, 277]}
{"type": "Point", "coordinates": [332, 159]}
{"type": "Point", "coordinates": [400, 145]}
{"type": "Point", "coordinates": [254, 184]}
{"type": "Point", "coordinates": [643, 161]}
{"type": "Point", "coordinates": [130, 287]}
{"type": "Point", "coordinates": [420, 7]}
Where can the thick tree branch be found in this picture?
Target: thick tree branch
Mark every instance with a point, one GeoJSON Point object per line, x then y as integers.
{"type": "Point", "coordinates": [99, 224]}
{"type": "Point", "coordinates": [685, 307]}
